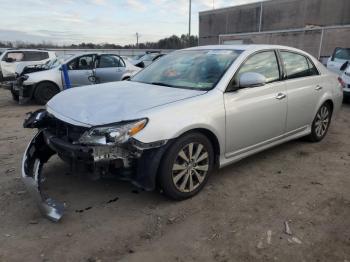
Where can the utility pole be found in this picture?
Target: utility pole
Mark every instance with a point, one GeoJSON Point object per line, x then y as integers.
{"type": "Point", "coordinates": [189, 17]}
{"type": "Point", "coordinates": [213, 5]}
{"type": "Point", "coordinates": [137, 39]}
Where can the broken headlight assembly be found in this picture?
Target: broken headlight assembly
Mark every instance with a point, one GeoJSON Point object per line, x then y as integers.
{"type": "Point", "coordinates": [112, 134]}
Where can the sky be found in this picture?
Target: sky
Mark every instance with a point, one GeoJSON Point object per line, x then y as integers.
{"type": "Point", "coordinates": [100, 21]}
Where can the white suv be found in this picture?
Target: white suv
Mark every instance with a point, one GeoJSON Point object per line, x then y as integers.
{"type": "Point", "coordinates": [13, 61]}
{"type": "Point", "coordinates": [339, 57]}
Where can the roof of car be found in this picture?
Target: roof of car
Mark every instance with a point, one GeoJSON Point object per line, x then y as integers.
{"type": "Point", "coordinates": [36, 50]}
{"type": "Point", "coordinates": [242, 47]}
{"type": "Point", "coordinates": [93, 53]}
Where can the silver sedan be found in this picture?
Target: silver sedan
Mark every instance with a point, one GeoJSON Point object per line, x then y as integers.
{"type": "Point", "coordinates": [183, 116]}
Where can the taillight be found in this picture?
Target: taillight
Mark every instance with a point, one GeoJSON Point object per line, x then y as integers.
{"type": "Point", "coordinates": [341, 81]}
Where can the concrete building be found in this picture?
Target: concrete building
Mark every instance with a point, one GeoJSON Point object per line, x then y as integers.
{"type": "Point", "coordinates": [316, 26]}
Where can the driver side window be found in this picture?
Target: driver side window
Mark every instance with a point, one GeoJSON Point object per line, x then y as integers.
{"type": "Point", "coordinates": [82, 63]}
{"type": "Point", "coordinates": [264, 63]}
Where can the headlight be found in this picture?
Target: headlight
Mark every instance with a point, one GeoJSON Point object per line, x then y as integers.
{"type": "Point", "coordinates": [111, 135]}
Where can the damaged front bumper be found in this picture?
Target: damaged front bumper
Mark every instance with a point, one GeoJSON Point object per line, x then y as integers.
{"type": "Point", "coordinates": [134, 160]}
{"type": "Point", "coordinates": [35, 156]}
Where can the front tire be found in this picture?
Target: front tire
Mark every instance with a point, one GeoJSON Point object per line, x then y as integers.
{"type": "Point", "coordinates": [15, 96]}
{"type": "Point", "coordinates": [186, 166]}
{"type": "Point", "coordinates": [321, 123]}
{"type": "Point", "coordinates": [44, 92]}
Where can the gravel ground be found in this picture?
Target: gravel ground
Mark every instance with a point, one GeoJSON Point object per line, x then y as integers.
{"type": "Point", "coordinates": [239, 216]}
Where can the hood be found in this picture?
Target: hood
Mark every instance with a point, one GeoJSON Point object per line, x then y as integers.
{"type": "Point", "coordinates": [37, 76]}
{"type": "Point", "coordinates": [112, 102]}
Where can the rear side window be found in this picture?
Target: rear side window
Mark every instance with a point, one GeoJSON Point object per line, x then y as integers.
{"type": "Point", "coordinates": [17, 56]}
{"type": "Point", "coordinates": [107, 61]}
{"type": "Point", "coordinates": [35, 56]}
{"type": "Point", "coordinates": [264, 63]}
{"type": "Point", "coordinates": [297, 65]}
{"type": "Point", "coordinates": [312, 68]}
{"type": "Point", "coordinates": [342, 54]}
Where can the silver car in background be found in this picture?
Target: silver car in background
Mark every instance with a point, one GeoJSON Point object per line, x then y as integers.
{"type": "Point", "coordinates": [188, 113]}
{"type": "Point", "coordinates": [83, 69]}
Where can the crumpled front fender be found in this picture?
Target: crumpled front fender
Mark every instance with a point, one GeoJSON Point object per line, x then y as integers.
{"type": "Point", "coordinates": [35, 156]}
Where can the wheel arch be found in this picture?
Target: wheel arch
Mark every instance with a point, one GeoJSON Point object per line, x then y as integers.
{"type": "Point", "coordinates": [212, 138]}
{"type": "Point", "coordinates": [326, 98]}
{"type": "Point", "coordinates": [331, 104]}
{"type": "Point", "coordinates": [44, 81]}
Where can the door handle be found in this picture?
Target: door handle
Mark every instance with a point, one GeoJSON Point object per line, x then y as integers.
{"type": "Point", "coordinates": [280, 96]}
{"type": "Point", "coordinates": [318, 88]}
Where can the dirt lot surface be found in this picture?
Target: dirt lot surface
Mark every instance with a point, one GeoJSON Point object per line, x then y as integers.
{"type": "Point", "coordinates": [239, 216]}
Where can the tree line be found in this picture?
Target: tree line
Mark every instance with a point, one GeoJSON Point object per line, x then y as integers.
{"type": "Point", "coordinates": [172, 42]}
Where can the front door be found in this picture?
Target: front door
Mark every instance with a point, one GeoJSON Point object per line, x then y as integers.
{"type": "Point", "coordinates": [80, 70]}
{"type": "Point", "coordinates": [256, 116]}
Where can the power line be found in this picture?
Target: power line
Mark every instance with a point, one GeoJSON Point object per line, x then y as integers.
{"type": "Point", "coordinates": [189, 17]}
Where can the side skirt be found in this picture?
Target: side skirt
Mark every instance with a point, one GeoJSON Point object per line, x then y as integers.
{"type": "Point", "coordinates": [238, 155]}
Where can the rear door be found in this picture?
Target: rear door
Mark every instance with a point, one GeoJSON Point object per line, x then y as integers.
{"type": "Point", "coordinates": [304, 89]}
{"type": "Point", "coordinates": [80, 69]}
{"type": "Point", "coordinates": [109, 68]}
{"type": "Point", "coordinates": [9, 68]}
{"type": "Point", "coordinates": [256, 116]}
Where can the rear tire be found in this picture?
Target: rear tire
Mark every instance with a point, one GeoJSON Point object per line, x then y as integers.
{"type": "Point", "coordinates": [321, 123]}
{"type": "Point", "coordinates": [44, 92]}
{"type": "Point", "coordinates": [186, 166]}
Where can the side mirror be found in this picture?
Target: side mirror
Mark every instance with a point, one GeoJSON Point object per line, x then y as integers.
{"type": "Point", "coordinates": [251, 79]}
{"type": "Point", "coordinates": [9, 60]}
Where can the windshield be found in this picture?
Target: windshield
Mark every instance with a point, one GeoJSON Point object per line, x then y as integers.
{"type": "Point", "coordinates": [193, 69]}
{"type": "Point", "coordinates": [58, 61]}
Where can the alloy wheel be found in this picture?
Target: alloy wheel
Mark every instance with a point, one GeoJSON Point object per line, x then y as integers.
{"type": "Point", "coordinates": [190, 167]}
{"type": "Point", "coordinates": [322, 121]}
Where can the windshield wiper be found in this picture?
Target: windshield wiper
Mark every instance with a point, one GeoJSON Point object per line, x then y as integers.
{"type": "Point", "coordinates": [161, 84]}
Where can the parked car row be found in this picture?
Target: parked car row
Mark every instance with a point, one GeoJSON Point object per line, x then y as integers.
{"type": "Point", "coordinates": [39, 74]}
{"type": "Point", "coordinates": [83, 69]}
{"type": "Point", "coordinates": [177, 120]}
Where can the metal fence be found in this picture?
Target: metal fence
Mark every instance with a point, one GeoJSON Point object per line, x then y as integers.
{"type": "Point", "coordinates": [121, 52]}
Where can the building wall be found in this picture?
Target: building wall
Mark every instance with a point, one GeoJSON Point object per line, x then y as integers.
{"type": "Point", "coordinates": [235, 23]}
